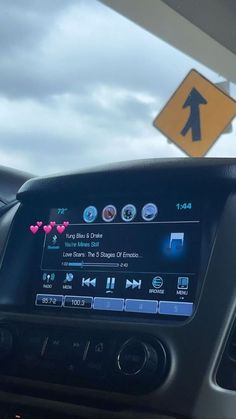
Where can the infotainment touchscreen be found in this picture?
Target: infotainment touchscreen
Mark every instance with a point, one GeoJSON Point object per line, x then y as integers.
{"type": "Point", "coordinates": [129, 258]}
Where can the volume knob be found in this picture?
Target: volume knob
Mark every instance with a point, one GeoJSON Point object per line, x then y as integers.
{"type": "Point", "coordinates": [137, 358]}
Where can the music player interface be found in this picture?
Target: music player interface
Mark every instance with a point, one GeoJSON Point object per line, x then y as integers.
{"type": "Point", "coordinates": [131, 259]}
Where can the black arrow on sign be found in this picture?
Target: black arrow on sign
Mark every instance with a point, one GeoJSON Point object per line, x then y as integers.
{"type": "Point", "coordinates": [194, 100]}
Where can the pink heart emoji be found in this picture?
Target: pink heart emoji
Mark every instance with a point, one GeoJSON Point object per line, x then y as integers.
{"type": "Point", "coordinates": [60, 229]}
{"type": "Point", "coordinates": [34, 229]}
{"type": "Point", "coordinates": [66, 223]}
{"type": "Point", "coordinates": [52, 223]}
{"type": "Point", "coordinates": [47, 229]}
{"type": "Point", "coordinates": [39, 223]}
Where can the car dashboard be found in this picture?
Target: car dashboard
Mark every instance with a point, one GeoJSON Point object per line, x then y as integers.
{"type": "Point", "coordinates": [117, 293]}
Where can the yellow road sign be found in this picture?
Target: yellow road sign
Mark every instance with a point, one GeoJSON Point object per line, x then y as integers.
{"type": "Point", "coordinates": [196, 115]}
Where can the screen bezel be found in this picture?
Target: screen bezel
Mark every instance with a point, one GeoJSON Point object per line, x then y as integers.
{"type": "Point", "coordinates": [93, 313]}
{"type": "Point", "coordinates": [20, 291]}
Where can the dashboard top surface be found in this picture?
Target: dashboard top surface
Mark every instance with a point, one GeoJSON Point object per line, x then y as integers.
{"type": "Point", "coordinates": [158, 173]}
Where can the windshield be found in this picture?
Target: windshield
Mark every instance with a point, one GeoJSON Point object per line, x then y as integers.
{"type": "Point", "coordinates": [81, 85]}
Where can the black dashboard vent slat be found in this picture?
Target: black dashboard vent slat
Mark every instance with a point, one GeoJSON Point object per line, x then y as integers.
{"type": "Point", "coordinates": [226, 374]}
{"type": "Point", "coordinates": [232, 346]}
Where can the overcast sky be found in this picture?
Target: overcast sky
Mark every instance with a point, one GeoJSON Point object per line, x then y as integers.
{"type": "Point", "coordinates": [80, 85]}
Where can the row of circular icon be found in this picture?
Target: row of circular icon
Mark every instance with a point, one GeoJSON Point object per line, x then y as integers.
{"type": "Point", "coordinates": [128, 213]}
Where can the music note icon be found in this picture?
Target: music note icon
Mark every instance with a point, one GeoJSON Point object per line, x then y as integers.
{"type": "Point", "coordinates": [176, 241]}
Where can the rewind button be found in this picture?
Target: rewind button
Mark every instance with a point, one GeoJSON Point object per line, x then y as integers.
{"type": "Point", "coordinates": [89, 282]}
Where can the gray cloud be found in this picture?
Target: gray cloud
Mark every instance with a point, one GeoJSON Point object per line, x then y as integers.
{"type": "Point", "coordinates": [81, 85]}
{"type": "Point", "coordinates": [24, 22]}
{"type": "Point", "coordinates": [79, 45]}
